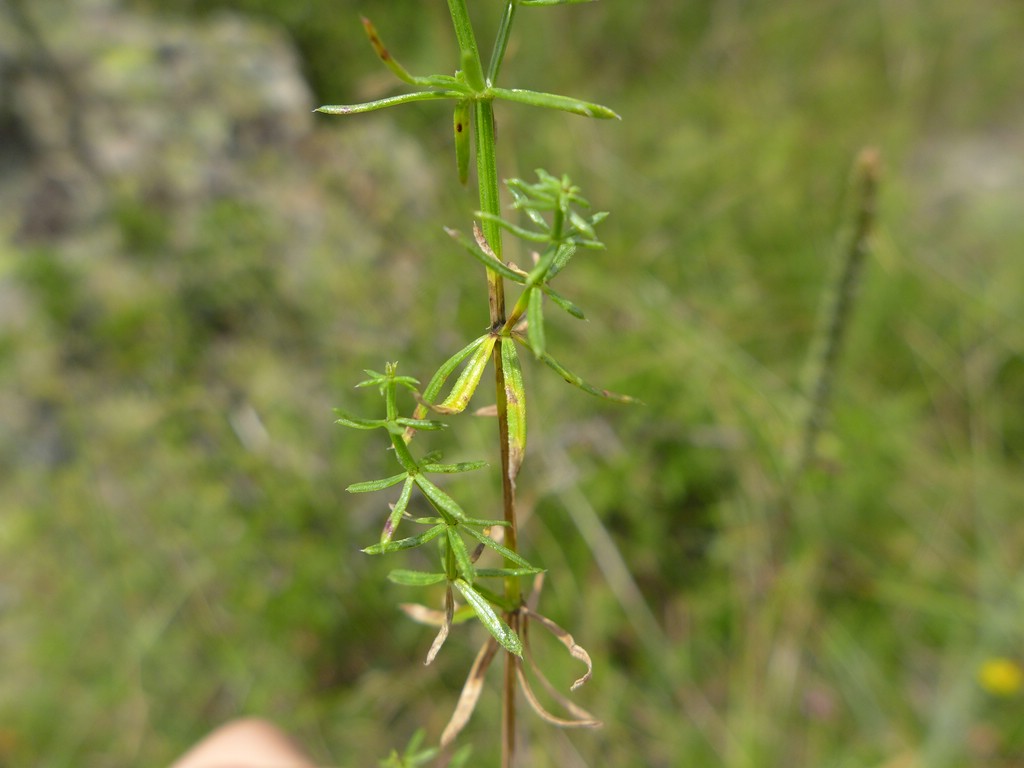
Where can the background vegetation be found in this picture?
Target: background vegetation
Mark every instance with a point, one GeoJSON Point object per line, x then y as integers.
{"type": "Point", "coordinates": [175, 544]}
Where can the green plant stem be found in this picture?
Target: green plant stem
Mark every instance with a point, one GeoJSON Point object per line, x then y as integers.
{"type": "Point", "coordinates": [487, 179]}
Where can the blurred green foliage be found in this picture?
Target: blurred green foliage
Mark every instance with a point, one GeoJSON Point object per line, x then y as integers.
{"type": "Point", "coordinates": [176, 546]}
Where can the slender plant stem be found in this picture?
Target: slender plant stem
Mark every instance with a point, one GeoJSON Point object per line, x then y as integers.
{"type": "Point", "coordinates": [487, 178]}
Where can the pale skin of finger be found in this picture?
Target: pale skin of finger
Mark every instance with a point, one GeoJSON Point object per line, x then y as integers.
{"type": "Point", "coordinates": [246, 743]}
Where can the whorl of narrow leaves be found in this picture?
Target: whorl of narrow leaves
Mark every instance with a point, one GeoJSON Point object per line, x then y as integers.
{"type": "Point", "coordinates": [467, 86]}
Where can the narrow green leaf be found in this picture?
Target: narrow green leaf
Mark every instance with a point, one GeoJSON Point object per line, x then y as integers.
{"type": "Point", "coordinates": [501, 40]}
{"type": "Point", "coordinates": [486, 523]}
{"type": "Point", "coordinates": [562, 256]}
{"type": "Point", "coordinates": [499, 573]}
{"type": "Point", "coordinates": [348, 420]}
{"type": "Point", "coordinates": [376, 485]}
{"type": "Point", "coordinates": [496, 600]}
{"type": "Point", "coordinates": [462, 148]}
{"type": "Point", "coordinates": [450, 469]}
{"type": "Point", "coordinates": [469, 56]}
{"type": "Point", "coordinates": [376, 379]}
{"type": "Point", "coordinates": [535, 322]}
{"type": "Point", "coordinates": [554, 101]}
{"type": "Point", "coordinates": [403, 454]}
{"type": "Point", "coordinates": [390, 101]}
{"type": "Point", "coordinates": [502, 550]}
{"type": "Point", "coordinates": [382, 52]}
{"type": "Point", "coordinates": [484, 139]}
{"type": "Point", "coordinates": [466, 384]}
{"type": "Point", "coordinates": [415, 578]}
{"type": "Point", "coordinates": [409, 543]}
{"type": "Point", "coordinates": [515, 398]}
{"type": "Point", "coordinates": [444, 503]}
{"type": "Point", "coordinates": [501, 631]}
{"type": "Point", "coordinates": [484, 257]}
{"type": "Point", "coordinates": [425, 424]}
{"type": "Point", "coordinates": [396, 512]}
{"type": "Point", "coordinates": [462, 560]}
{"type": "Point", "coordinates": [575, 380]}
{"type": "Point", "coordinates": [524, 234]}
{"type": "Point", "coordinates": [449, 365]}
{"type": "Point", "coordinates": [582, 225]}
{"type": "Point", "coordinates": [563, 302]}
{"type": "Point", "coordinates": [466, 522]}
{"type": "Point", "coordinates": [436, 81]}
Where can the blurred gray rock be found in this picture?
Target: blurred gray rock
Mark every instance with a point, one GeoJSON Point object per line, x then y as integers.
{"type": "Point", "coordinates": [97, 91]}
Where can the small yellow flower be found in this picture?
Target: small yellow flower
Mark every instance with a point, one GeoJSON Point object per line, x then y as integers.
{"type": "Point", "coordinates": [1000, 676]}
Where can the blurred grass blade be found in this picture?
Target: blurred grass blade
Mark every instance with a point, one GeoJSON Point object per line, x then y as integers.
{"type": "Point", "coordinates": [501, 631]}
{"type": "Point", "coordinates": [554, 101]}
{"type": "Point", "coordinates": [466, 384]}
{"type": "Point", "coordinates": [515, 396]}
{"type": "Point", "coordinates": [471, 691]}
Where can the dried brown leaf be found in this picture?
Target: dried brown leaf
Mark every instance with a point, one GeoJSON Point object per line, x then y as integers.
{"type": "Point", "coordinates": [576, 650]}
{"type": "Point", "coordinates": [442, 634]}
{"type": "Point", "coordinates": [471, 690]}
{"type": "Point", "coordinates": [423, 615]}
{"type": "Point", "coordinates": [583, 718]}
{"type": "Point", "coordinates": [534, 597]}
